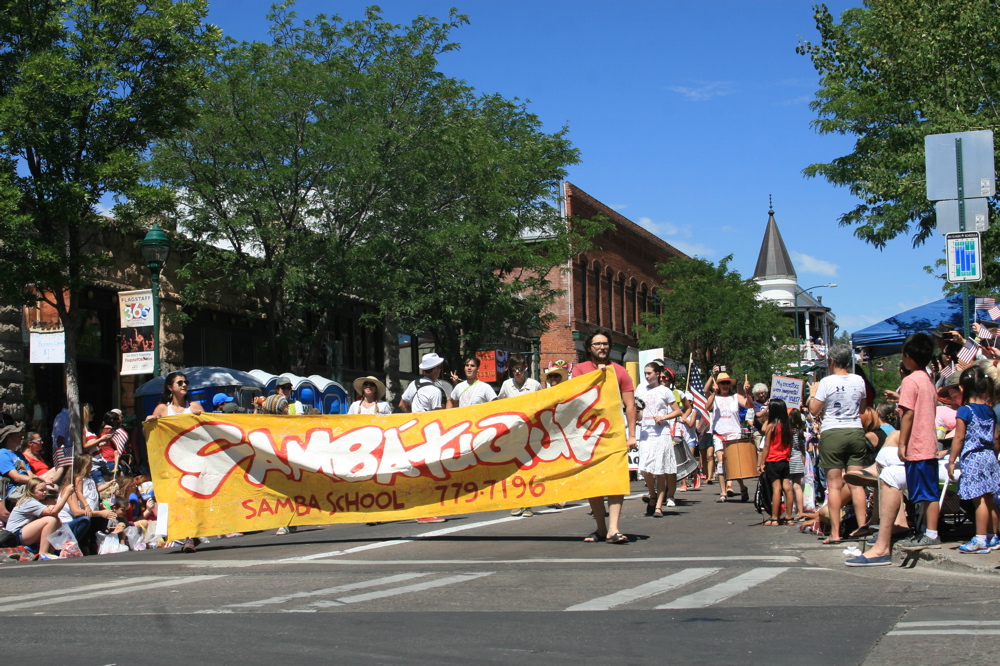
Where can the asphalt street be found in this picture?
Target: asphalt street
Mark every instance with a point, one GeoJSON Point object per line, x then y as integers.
{"type": "Point", "coordinates": [706, 584]}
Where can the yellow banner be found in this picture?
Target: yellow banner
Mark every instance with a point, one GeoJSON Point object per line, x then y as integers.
{"type": "Point", "coordinates": [221, 473]}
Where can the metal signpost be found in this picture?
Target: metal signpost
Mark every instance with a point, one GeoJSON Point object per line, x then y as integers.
{"type": "Point", "coordinates": [960, 164]}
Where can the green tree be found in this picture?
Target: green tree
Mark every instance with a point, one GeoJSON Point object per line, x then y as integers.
{"type": "Point", "coordinates": [301, 146]}
{"type": "Point", "coordinates": [891, 73]}
{"type": "Point", "coordinates": [709, 311]}
{"type": "Point", "coordinates": [84, 88]}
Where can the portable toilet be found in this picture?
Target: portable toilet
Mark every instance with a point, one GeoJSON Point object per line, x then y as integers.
{"type": "Point", "coordinates": [335, 400]}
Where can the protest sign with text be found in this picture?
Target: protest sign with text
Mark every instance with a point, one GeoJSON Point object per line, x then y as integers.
{"type": "Point", "coordinates": [789, 389]}
{"type": "Point", "coordinates": [223, 473]}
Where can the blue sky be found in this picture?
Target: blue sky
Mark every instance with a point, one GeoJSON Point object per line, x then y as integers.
{"type": "Point", "coordinates": [687, 114]}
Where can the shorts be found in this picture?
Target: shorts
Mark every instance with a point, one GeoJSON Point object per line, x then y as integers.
{"type": "Point", "coordinates": [922, 480]}
{"type": "Point", "coordinates": [842, 447]}
{"type": "Point", "coordinates": [894, 477]}
{"type": "Point", "coordinates": [706, 442]}
{"type": "Point", "coordinates": [776, 471]}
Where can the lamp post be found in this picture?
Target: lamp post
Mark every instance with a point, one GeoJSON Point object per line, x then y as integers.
{"type": "Point", "coordinates": [155, 250]}
{"type": "Point", "coordinates": [798, 340]}
{"type": "Point", "coordinates": [535, 331]}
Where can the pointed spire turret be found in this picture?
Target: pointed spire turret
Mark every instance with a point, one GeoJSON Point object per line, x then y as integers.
{"type": "Point", "coordinates": [773, 260]}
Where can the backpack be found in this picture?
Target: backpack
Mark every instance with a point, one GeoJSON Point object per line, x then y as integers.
{"type": "Point", "coordinates": [762, 498]}
{"type": "Point", "coordinates": [423, 381]}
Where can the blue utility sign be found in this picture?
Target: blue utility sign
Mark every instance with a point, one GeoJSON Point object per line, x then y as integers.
{"type": "Point", "coordinates": [964, 252]}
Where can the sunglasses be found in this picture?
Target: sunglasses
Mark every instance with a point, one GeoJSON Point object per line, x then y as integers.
{"type": "Point", "coordinates": [181, 382]}
{"type": "Point", "coordinates": [367, 384]}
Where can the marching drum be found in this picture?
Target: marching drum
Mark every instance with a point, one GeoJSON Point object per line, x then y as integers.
{"type": "Point", "coordinates": [740, 459]}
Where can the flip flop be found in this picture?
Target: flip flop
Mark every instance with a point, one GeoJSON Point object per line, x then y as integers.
{"type": "Point", "coordinates": [617, 537]}
{"type": "Point", "coordinates": [831, 542]}
{"type": "Point", "coordinates": [771, 523]}
{"type": "Point", "coordinates": [657, 513]}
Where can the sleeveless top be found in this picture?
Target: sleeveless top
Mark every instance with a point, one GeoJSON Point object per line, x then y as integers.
{"type": "Point", "coordinates": [171, 412]}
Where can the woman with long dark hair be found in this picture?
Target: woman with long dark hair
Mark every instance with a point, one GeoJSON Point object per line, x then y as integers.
{"type": "Point", "coordinates": [175, 400]}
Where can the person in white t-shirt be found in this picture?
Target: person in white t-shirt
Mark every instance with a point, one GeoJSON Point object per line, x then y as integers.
{"type": "Point", "coordinates": [656, 447]}
{"type": "Point", "coordinates": [724, 406]}
{"type": "Point", "coordinates": [471, 391]}
{"type": "Point", "coordinates": [372, 393]}
{"type": "Point", "coordinates": [519, 381]}
{"type": "Point", "coordinates": [428, 392]}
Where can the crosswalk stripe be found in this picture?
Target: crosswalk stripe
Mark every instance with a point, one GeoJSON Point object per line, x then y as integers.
{"type": "Point", "coordinates": [82, 588]}
{"type": "Point", "coordinates": [946, 632]}
{"type": "Point", "coordinates": [347, 587]}
{"type": "Point", "coordinates": [405, 589]}
{"type": "Point", "coordinates": [729, 588]}
{"type": "Point", "coordinates": [948, 623]}
{"type": "Point", "coordinates": [110, 591]}
{"type": "Point", "coordinates": [643, 591]}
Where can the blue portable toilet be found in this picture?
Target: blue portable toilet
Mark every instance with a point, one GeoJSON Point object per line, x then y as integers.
{"type": "Point", "coordinates": [335, 400]}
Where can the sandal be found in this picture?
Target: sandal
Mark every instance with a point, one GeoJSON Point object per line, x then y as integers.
{"type": "Point", "coordinates": [863, 531]}
{"type": "Point", "coordinates": [771, 522]}
{"type": "Point", "coordinates": [745, 496]}
{"type": "Point", "coordinates": [829, 541]}
{"type": "Point", "coordinates": [593, 537]}
{"type": "Point", "coordinates": [722, 498]}
{"type": "Point", "coordinates": [657, 513]}
{"type": "Point", "coordinates": [617, 537]}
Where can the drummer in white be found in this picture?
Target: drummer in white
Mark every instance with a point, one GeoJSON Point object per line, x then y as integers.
{"type": "Point", "coordinates": [725, 410]}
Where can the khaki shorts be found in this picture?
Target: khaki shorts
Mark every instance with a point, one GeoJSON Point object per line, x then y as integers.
{"type": "Point", "coordinates": [842, 447]}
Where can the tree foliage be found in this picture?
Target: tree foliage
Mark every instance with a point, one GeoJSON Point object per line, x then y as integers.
{"type": "Point", "coordinates": [710, 311]}
{"type": "Point", "coordinates": [891, 73]}
{"type": "Point", "coordinates": [84, 88]}
{"type": "Point", "coordinates": [336, 161]}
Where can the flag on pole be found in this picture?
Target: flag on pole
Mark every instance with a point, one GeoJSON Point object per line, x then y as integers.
{"type": "Point", "coordinates": [947, 371]}
{"type": "Point", "coordinates": [697, 388]}
{"type": "Point", "coordinates": [985, 333]}
{"type": "Point", "coordinates": [967, 353]}
{"type": "Point", "coordinates": [985, 303]}
{"type": "Point", "coordinates": [62, 456]}
{"type": "Point", "coordinates": [994, 313]}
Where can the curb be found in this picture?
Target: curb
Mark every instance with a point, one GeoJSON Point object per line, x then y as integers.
{"type": "Point", "coordinates": [950, 562]}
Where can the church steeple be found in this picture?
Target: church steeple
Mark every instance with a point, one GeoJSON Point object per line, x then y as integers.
{"type": "Point", "coordinates": [773, 261]}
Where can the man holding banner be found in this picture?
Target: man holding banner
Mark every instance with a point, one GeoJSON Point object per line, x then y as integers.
{"type": "Point", "coordinates": [598, 348]}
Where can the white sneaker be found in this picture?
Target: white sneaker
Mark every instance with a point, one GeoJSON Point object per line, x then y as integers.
{"type": "Point", "coordinates": [281, 531]}
{"type": "Point", "coordinates": [670, 502]}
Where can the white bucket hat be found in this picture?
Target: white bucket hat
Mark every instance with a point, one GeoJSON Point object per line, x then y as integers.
{"type": "Point", "coordinates": [430, 361]}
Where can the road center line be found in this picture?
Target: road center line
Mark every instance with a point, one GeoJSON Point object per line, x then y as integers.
{"type": "Point", "coordinates": [169, 582]}
{"type": "Point", "coordinates": [722, 591]}
{"type": "Point", "coordinates": [649, 589]}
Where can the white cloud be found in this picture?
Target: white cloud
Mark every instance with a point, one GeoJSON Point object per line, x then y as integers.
{"type": "Point", "coordinates": [808, 264]}
{"type": "Point", "coordinates": [618, 206]}
{"type": "Point", "coordinates": [693, 249]}
{"type": "Point", "coordinates": [795, 101]}
{"type": "Point", "coordinates": [706, 91]}
{"type": "Point", "coordinates": [663, 229]}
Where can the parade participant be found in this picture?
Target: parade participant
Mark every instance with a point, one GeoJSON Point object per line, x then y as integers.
{"type": "Point", "coordinates": [426, 394]}
{"type": "Point", "coordinates": [284, 388]}
{"type": "Point", "coordinates": [772, 461]}
{"type": "Point", "coordinates": [725, 410]}
{"type": "Point", "coordinates": [656, 446]}
{"type": "Point", "coordinates": [840, 397]}
{"type": "Point", "coordinates": [471, 391]}
{"type": "Point", "coordinates": [977, 440]}
{"type": "Point", "coordinates": [556, 373]}
{"type": "Point", "coordinates": [220, 400]}
{"type": "Point", "coordinates": [35, 517]}
{"type": "Point", "coordinates": [519, 381]}
{"type": "Point", "coordinates": [598, 348]}
{"type": "Point", "coordinates": [372, 392]}
{"type": "Point", "coordinates": [175, 402]}
{"type": "Point", "coordinates": [275, 404]}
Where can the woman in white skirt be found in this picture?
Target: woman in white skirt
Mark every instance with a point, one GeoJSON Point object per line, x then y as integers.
{"type": "Point", "coordinates": [656, 446]}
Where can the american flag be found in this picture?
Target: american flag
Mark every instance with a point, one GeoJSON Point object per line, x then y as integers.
{"type": "Point", "coordinates": [697, 388]}
{"type": "Point", "coordinates": [985, 333]}
{"type": "Point", "coordinates": [994, 313]}
{"type": "Point", "coordinates": [120, 438]}
{"type": "Point", "coordinates": [947, 371]}
{"type": "Point", "coordinates": [62, 456]}
{"type": "Point", "coordinates": [985, 303]}
{"type": "Point", "coordinates": [968, 352]}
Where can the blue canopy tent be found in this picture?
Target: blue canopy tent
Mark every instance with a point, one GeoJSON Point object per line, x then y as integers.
{"type": "Point", "coordinates": [886, 337]}
{"type": "Point", "coordinates": [203, 383]}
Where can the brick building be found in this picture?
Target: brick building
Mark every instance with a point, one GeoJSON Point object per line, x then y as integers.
{"type": "Point", "coordinates": [609, 286]}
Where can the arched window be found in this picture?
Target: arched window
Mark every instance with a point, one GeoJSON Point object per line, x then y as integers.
{"type": "Point", "coordinates": [582, 268]}
{"type": "Point", "coordinates": [597, 319]}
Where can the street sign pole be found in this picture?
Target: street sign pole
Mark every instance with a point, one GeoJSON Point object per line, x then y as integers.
{"type": "Point", "coordinates": [961, 228]}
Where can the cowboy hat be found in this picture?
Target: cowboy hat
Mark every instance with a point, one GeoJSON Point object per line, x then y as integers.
{"type": "Point", "coordinates": [9, 430]}
{"type": "Point", "coordinates": [723, 377]}
{"type": "Point", "coordinates": [558, 368]}
{"type": "Point", "coordinates": [359, 385]}
{"type": "Point", "coordinates": [430, 361]}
